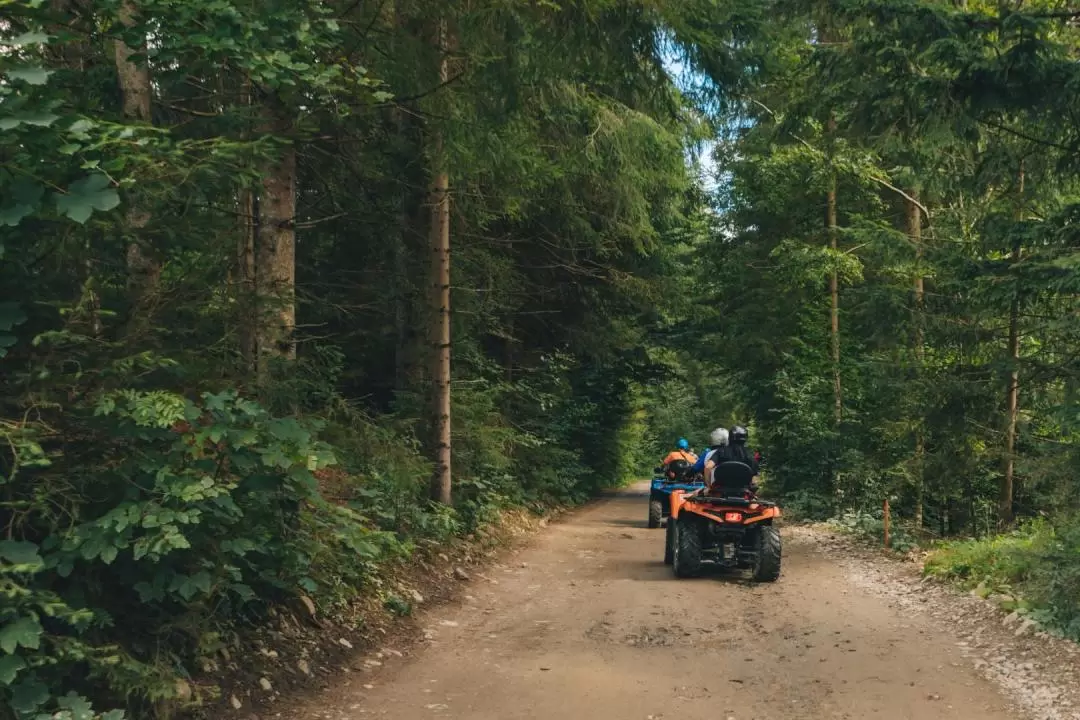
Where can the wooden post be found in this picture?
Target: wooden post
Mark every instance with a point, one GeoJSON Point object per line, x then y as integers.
{"type": "Point", "coordinates": [886, 516]}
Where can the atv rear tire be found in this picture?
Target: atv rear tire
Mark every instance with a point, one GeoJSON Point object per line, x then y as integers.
{"type": "Point", "coordinates": [767, 562]}
{"type": "Point", "coordinates": [656, 513]}
{"type": "Point", "coordinates": [669, 542]}
{"type": "Point", "coordinates": [686, 561]}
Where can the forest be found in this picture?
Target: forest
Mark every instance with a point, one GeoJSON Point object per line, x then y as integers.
{"type": "Point", "coordinates": [289, 286]}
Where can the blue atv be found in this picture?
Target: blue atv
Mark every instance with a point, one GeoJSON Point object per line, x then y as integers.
{"type": "Point", "coordinates": [676, 476]}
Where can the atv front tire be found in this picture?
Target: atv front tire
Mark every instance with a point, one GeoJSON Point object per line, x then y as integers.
{"type": "Point", "coordinates": [686, 561]}
{"type": "Point", "coordinates": [656, 513]}
{"type": "Point", "coordinates": [767, 562]}
{"type": "Point", "coordinates": [669, 542]}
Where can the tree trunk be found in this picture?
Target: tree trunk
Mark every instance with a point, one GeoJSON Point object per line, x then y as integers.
{"type": "Point", "coordinates": [72, 55]}
{"type": "Point", "coordinates": [829, 36]}
{"type": "Point", "coordinates": [440, 296]}
{"type": "Point", "coordinates": [834, 297]}
{"type": "Point", "coordinates": [401, 269]}
{"type": "Point", "coordinates": [508, 351]}
{"type": "Point", "coordinates": [275, 259]}
{"type": "Point", "coordinates": [245, 261]}
{"type": "Point", "coordinates": [144, 272]}
{"type": "Point", "coordinates": [914, 230]}
{"type": "Point", "coordinates": [1012, 411]}
{"type": "Point", "coordinates": [832, 229]}
{"type": "Point", "coordinates": [245, 279]}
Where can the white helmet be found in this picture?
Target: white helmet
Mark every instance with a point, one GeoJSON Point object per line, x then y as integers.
{"type": "Point", "coordinates": [718, 437]}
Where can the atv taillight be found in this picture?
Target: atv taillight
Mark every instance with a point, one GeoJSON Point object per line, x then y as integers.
{"type": "Point", "coordinates": [733, 517]}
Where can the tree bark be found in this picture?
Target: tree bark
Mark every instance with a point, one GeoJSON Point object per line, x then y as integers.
{"type": "Point", "coordinates": [439, 200]}
{"type": "Point", "coordinates": [144, 272]}
{"type": "Point", "coordinates": [275, 260]}
{"type": "Point", "coordinates": [833, 232]}
{"type": "Point", "coordinates": [401, 269]}
{"type": "Point", "coordinates": [834, 297]}
{"type": "Point", "coordinates": [72, 55]}
{"type": "Point", "coordinates": [245, 261]}
{"type": "Point", "coordinates": [1012, 410]}
{"type": "Point", "coordinates": [914, 230]}
{"type": "Point", "coordinates": [245, 280]}
{"type": "Point", "coordinates": [832, 229]}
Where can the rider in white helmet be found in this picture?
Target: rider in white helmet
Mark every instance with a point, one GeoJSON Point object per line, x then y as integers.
{"type": "Point", "coordinates": [718, 438]}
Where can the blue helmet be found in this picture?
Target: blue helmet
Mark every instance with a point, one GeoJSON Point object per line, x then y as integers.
{"type": "Point", "coordinates": [682, 444]}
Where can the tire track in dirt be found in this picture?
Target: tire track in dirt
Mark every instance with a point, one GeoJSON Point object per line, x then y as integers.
{"type": "Point", "coordinates": [587, 622]}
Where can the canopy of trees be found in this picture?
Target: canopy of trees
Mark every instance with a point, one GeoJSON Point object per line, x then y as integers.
{"type": "Point", "coordinates": [288, 286]}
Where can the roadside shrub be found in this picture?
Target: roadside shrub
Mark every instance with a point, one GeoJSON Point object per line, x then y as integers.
{"type": "Point", "coordinates": [872, 525]}
{"type": "Point", "coordinates": [998, 561]}
{"type": "Point", "coordinates": [1054, 578]}
{"type": "Point", "coordinates": [1039, 563]}
{"type": "Point", "coordinates": [175, 518]}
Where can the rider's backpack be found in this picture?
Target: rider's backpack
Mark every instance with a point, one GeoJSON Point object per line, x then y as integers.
{"type": "Point", "coordinates": [677, 469]}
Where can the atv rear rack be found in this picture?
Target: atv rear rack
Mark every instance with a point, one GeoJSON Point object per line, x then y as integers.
{"type": "Point", "coordinates": [729, 501]}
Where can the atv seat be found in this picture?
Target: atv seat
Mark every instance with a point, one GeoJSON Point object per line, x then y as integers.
{"type": "Point", "coordinates": [731, 479]}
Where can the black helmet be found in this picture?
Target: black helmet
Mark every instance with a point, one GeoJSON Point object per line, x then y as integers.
{"type": "Point", "coordinates": [739, 435]}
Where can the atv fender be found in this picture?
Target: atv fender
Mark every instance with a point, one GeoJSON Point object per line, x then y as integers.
{"type": "Point", "coordinates": [676, 503]}
{"type": "Point", "coordinates": [765, 516]}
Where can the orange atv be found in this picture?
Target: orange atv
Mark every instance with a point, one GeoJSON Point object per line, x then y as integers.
{"type": "Point", "coordinates": [724, 525]}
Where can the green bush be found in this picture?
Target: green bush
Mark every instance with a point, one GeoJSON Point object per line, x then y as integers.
{"type": "Point", "coordinates": [181, 518]}
{"type": "Point", "coordinates": [999, 561]}
{"type": "Point", "coordinates": [1039, 563]}
{"type": "Point", "coordinates": [872, 525]}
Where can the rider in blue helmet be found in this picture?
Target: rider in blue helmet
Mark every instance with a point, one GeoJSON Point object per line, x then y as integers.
{"type": "Point", "coordinates": [681, 452]}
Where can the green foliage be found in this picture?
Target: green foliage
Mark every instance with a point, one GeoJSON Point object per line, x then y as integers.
{"type": "Point", "coordinates": [202, 510]}
{"type": "Point", "coordinates": [1001, 561]}
{"type": "Point", "coordinates": [953, 111]}
{"type": "Point", "coordinates": [166, 485]}
{"type": "Point", "coordinates": [163, 488]}
{"type": "Point", "coordinates": [872, 526]}
{"type": "Point", "coordinates": [1035, 565]}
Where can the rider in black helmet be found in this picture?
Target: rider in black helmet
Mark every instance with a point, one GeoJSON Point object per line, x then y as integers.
{"type": "Point", "coordinates": [738, 451]}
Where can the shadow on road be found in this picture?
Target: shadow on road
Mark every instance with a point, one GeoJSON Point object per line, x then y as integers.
{"type": "Point", "coordinates": [653, 570]}
{"type": "Point", "coordinates": [627, 522]}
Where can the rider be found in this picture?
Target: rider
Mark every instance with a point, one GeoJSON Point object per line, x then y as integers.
{"type": "Point", "coordinates": [681, 452]}
{"type": "Point", "coordinates": [739, 452]}
{"type": "Point", "coordinates": [718, 440]}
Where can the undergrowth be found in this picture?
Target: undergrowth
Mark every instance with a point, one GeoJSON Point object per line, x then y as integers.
{"type": "Point", "coordinates": [1034, 567]}
{"type": "Point", "coordinates": [147, 529]}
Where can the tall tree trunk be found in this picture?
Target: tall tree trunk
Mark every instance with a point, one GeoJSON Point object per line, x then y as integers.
{"type": "Point", "coordinates": [440, 294]}
{"type": "Point", "coordinates": [828, 35]}
{"type": "Point", "coordinates": [144, 272]}
{"type": "Point", "coordinates": [245, 260]}
{"type": "Point", "coordinates": [401, 310]}
{"type": "Point", "coordinates": [833, 231]}
{"type": "Point", "coordinates": [1012, 410]}
{"type": "Point", "coordinates": [245, 278]}
{"type": "Point", "coordinates": [275, 257]}
{"type": "Point", "coordinates": [834, 297]}
{"type": "Point", "coordinates": [72, 56]}
{"type": "Point", "coordinates": [401, 268]}
{"type": "Point", "coordinates": [914, 230]}
{"type": "Point", "coordinates": [508, 350]}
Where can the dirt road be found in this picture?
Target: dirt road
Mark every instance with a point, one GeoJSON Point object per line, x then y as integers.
{"type": "Point", "coordinates": [588, 623]}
